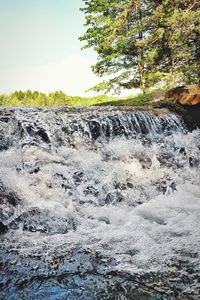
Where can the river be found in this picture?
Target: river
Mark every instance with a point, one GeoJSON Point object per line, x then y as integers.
{"type": "Point", "coordinates": [98, 204]}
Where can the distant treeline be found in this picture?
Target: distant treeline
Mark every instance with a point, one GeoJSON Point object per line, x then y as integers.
{"type": "Point", "coordinates": [58, 98]}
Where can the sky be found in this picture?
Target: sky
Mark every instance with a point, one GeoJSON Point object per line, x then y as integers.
{"type": "Point", "coordinates": [39, 47]}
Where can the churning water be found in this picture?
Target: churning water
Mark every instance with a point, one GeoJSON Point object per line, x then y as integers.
{"type": "Point", "coordinates": [98, 204]}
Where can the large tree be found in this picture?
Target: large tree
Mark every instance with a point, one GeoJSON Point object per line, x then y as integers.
{"type": "Point", "coordinates": [142, 42]}
{"type": "Point", "coordinates": [179, 25]}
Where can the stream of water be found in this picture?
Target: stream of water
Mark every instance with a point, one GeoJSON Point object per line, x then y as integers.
{"type": "Point", "coordinates": [98, 204]}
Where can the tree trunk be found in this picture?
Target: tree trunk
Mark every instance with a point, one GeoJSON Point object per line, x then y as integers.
{"type": "Point", "coordinates": [141, 57]}
{"type": "Point", "coordinates": [198, 54]}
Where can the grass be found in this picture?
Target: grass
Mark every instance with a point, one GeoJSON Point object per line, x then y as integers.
{"type": "Point", "coordinates": [59, 98]}
{"type": "Point", "coordinates": [136, 100]}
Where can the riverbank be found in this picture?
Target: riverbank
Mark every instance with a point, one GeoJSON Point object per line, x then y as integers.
{"type": "Point", "coordinates": [151, 101]}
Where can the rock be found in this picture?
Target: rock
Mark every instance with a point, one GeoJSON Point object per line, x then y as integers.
{"type": "Point", "coordinates": [95, 129]}
{"type": "Point", "coordinates": [120, 186]}
{"type": "Point", "coordinates": [193, 162]}
{"type": "Point", "coordinates": [38, 220]}
{"type": "Point", "coordinates": [3, 228]}
{"type": "Point", "coordinates": [129, 185]}
{"type": "Point", "coordinates": [162, 186]}
{"type": "Point", "coordinates": [182, 151]}
{"type": "Point", "coordinates": [44, 136]}
{"type": "Point", "coordinates": [114, 197]}
{"type": "Point", "coordinates": [185, 95]}
{"type": "Point", "coordinates": [78, 176]}
{"type": "Point", "coordinates": [145, 162]}
{"type": "Point", "coordinates": [34, 170]}
{"type": "Point", "coordinates": [104, 220]}
{"type": "Point", "coordinates": [173, 186]}
{"type": "Point", "coordinates": [8, 197]}
{"type": "Point", "coordinates": [158, 96]}
{"type": "Point", "coordinates": [91, 190]}
{"type": "Point", "coordinates": [30, 130]}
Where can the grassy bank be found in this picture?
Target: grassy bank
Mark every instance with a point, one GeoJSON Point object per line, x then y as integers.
{"type": "Point", "coordinates": [137, 100]}
{"type": "Point", "coordinates": [59, 98]}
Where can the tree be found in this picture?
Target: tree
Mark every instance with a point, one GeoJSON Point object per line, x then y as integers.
{"type": "Point", "coordinates": [59, 98]}
{"type": "Point", "coordinates": [140, 42]}
{"type": "Point", "coordinates": [179, 23]}
{"type": "Point", "coordinates": [2, 98]}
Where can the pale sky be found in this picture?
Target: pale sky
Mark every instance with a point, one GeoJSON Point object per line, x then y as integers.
{"type": "Point", "coordinates": [40, 49]}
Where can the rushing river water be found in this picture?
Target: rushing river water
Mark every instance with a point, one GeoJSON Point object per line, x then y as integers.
{"type": "Point", "coordinates": [98, 204]}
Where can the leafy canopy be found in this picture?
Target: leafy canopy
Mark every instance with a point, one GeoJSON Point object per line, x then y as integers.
{"type": "Point", "coordinates": [143, 42]}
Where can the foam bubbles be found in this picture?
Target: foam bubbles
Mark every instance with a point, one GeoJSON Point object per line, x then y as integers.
{"type": "Point", "coordinates": [135, 200]}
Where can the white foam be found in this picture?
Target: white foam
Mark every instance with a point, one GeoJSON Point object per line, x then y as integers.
{"type": "Point", "coordinates": [166, 220]}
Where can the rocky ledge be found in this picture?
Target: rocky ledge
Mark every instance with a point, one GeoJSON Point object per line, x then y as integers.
{"type": "Point", "coordinates": [183, 100]}
{"type": "Point", "coordinates": [185, 95]}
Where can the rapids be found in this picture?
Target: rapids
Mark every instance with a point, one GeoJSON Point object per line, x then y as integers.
{"type": "Point", "coordinates": [98, 204]}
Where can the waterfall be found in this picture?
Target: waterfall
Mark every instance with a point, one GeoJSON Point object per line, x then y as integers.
{"type": "Point", "coordinates": [98, 204]}
{"type": "Point", "coordinates": [44, 126]}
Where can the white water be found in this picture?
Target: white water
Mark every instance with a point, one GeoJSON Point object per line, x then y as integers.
{"type": "Point", "coordinates": [136, 200]}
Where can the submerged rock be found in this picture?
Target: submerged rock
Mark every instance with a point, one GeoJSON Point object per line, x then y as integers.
{"type": "Point", "coordinates": [9, 201]}
{"type": "Point", "coordinates": [114, 197]}
{"type": "Point", "coordinates": [37, 220]}
{"type": "Point", "coordinates": [3, 228]}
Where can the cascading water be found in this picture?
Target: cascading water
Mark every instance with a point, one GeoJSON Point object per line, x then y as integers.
{"type": "Point", "coordinates": [98, 204]}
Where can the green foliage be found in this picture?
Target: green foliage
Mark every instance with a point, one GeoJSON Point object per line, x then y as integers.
{"type": "Point", "coordinates": [57, 98]}
{"type": "Point", "coordinates": [27, 98]}
{"type": "Point", "coordinates": [141, 42]}
{"type": "Point", "coordinates": [2, 97]}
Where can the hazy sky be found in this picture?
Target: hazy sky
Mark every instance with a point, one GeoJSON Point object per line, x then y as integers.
{"type": "Point", "coordinates": [39, 47]}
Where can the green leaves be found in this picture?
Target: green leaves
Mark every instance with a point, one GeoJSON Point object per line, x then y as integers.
{"type": "Point", "coordinates": [147, 41]}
